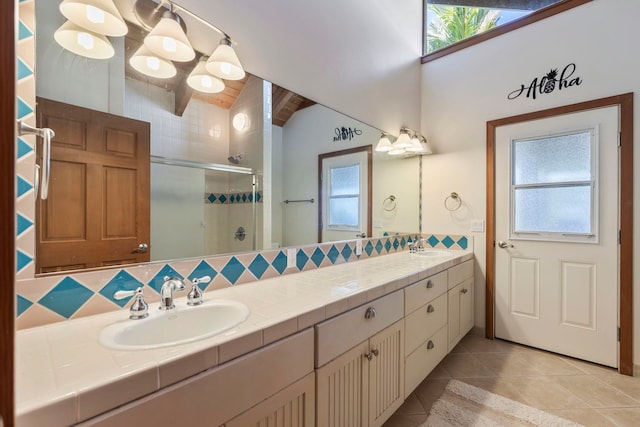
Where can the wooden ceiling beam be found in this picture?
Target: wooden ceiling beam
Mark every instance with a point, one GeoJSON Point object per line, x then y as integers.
{"type": "Point", "coordinates": [497, 4]}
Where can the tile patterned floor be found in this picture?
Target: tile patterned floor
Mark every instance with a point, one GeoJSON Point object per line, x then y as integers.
{"type": "Point", "coordinates": [583, 392]}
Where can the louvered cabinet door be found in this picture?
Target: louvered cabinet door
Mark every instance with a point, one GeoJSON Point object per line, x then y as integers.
{"type": "Point", "coordinates": [341, 390]}
{"type": "Point", "coordinates": [386, 373]}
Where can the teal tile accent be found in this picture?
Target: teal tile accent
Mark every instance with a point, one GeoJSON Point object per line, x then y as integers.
{"type": "Point", "coordinates": [387, 245]}
{"type": "Point", "coordinates": [379, 247]}
{"type": "Point", "coordinates": [396, 243]}
{"type": "Point", "coordinates": [333, 254]}
{"type": "Point", "coordinates": [433, 241]}
{"type": "Point", "coordinates": [368, 248]}
{"type": "Point", "coordinates": [448, 242]}
{"type": "Point", "coordinates": [280, 262]}
{"type": "Point", "coordinates": [203, 269]}
{"type": "Point", "coordinates": [23, 70]}
{"type": "Point", "coordinates": [23, 186]}
{"type": "Point", "coordinates": [258, 196]}
{"type": "Point", "coordinates": [258, 266]}
{"type": "Point", "coordinates": [301, 259]}
{"type": "Point", "coordinates": [463, 242]}
{"type": "Point", "coordinates": [123, 281]}
{"type": "Point", "coordinates": [212, 198]}
{"type": "Point", "coordinates": [23, 224]}
{"type": "Point", "coordinates": [346, 252]}
{"type": "Point", "coordinates": [156, 282]}
{"type": "Point", "coordinates": [24, 31]}
{"type": "Point", "coordinates": [66, 297]}
{"type": "Point", "coordinates": [23, 108]}
{"type": "Point", "coordinates": [23, 148]}
{"type": "Point", "coordinates": [22, 260]}
{"type": "Point", "coordinates": [233, 270]}
{"type": "Point", "coordinates": [222, 198]}
{"type": "Point", "coordinates": [22, 304]}
{"type": "Point", "coordinates": [317, 257]}
{"type": "Point", "coordinates": [403, 242]}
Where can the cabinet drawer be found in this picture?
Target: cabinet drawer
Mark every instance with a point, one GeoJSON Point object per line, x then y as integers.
{"type": "Point", "coordinates": [424, 322]}
{"type": "Point", "coordinates": [422, 361]}
{"type": "Point", "coordinates": [460, 273]}
{"type": "Point", "coordinates": [337, 335]}
{"type": "Point", "coordinates": [424, 291]}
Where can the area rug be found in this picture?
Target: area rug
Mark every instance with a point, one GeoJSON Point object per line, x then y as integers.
{"type": "Point", "coordinates": [463, 405]}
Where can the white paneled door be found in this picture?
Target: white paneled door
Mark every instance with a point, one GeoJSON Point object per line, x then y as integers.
{"type": "Point", "coordinates": [556, 249]}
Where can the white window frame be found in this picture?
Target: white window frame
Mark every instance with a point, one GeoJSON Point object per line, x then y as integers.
{"type": "Point", "coordinates": [594, 236]}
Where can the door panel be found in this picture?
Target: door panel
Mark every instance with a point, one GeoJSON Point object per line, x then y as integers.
{"type": "Point", "coordinates": [97, 212]}
{"type": "Point", "coordinates": [559, 291]}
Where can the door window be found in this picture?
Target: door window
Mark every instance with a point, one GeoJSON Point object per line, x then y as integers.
{"type": "Point", "coordinates": [553, 193]}
{"type": "Point", "coordinates": [344, 197]}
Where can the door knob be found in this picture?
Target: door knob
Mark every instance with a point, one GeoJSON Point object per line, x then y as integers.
{"type": "Point", "coordinates": [362, 235]}
{"type": "Point", "coordinates": [504, 245]}
{"type": "Point", "coordinates": [142, 248]}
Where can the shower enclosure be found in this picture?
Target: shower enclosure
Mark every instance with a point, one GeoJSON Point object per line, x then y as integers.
{"type": "Point", "coordinates": [200, 209]}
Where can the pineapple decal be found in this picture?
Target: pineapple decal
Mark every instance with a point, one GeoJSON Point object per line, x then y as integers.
{"type": "Point", "coordinates": [550, 84]}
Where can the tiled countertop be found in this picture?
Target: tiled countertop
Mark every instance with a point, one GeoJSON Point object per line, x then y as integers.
{"type": "Point", "coordinates": [63, 375]}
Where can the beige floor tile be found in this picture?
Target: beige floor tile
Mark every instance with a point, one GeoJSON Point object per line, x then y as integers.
{"type": "Point", "coordinates": [411, 406]}
{"type": "Point", "coordinates": [464, 365]}
{"type": "Point", "coordinates": [476, 344]}
{"type": "Point", "coordinates": [496, 385]}
{"type": "Point", "coordinates": [624, 383]}
{"type": "Point", "coordinates": [586, 417]}
{"type": "Point", "coordinates": [508, 364]}
{"type": "Point", "coordinates": [402, 420]}
{"type": "Point", "coordinates": [438, 372]}
{"type": "Point", "coordinates": [429, 391]}
{"type": "Point", "coordinates": [623, 417]}
{"type": "Point", "coordinates": [548, 363]}
{"type": "Point", "coordinates": [591, 368]}
{"type": "Point", "coordinates": [595, 392]}
{"type": "Point", "coordinates": [544, 392]}
{"type": "Point", "coordinates": [459, 348]}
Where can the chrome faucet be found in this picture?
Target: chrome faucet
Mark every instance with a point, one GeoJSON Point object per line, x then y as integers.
{"type": "Point", "coordinates": [166, 292]}
{"type": "Point", "coordinates": [421, 244]}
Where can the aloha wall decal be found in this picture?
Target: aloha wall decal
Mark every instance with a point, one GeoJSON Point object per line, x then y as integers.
{"type": "Point", "coordinates": [549, 82]}
{"type": "Point", "coordinates": [346, 134]}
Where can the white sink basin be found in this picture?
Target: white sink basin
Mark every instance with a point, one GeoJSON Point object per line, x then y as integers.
{"type": "Point", "coordinates": [181, 325]}
{"type": "Point", "coordinates": [432, 254]}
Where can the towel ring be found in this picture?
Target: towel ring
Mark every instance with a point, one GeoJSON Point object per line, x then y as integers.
{"type": "Point", "coordinates": [389, 203]}
{"type": "Point", "coordinates": [453, 202]}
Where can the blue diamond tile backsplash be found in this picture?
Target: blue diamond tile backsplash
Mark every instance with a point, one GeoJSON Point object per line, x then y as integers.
{"type": "Point", "coordinates": [73, 295]}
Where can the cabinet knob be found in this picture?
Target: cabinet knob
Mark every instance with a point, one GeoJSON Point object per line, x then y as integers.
{"type": "Point", "coordinates": [370, 313]}
{"type": "Point", "coordinates": [375, 352]}
{"type": "Point", "coordinates": [430, 345]}
{"type": "Point", "coordinates": [430, 309]}
{"type": "Point", "coordinates": [464, 290]}
{"type": "Point", "coordinates": [369, 356]}
{"type": "Point", "coordinates": [429, 284]}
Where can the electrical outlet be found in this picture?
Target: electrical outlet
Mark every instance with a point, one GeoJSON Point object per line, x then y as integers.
{"type": "Point", "coordinates": [291, 257]}
{"type": "Point", "coordinates": [359, 247]}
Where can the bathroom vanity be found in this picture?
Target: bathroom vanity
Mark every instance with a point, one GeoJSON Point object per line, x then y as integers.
{"type": "Point", "coordinates": [342, 345]}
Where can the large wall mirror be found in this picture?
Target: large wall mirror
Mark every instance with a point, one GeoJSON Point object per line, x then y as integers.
{"type": "Point", "coordinates": [229, 172]}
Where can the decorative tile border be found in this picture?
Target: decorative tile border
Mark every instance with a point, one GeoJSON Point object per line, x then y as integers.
{"type": "Point", "coordinates": [58, 298]}
{"type": "Point", "coordinates": [231, 198]}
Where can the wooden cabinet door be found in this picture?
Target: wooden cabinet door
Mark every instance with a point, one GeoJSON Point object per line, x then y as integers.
{"type": "Point", "coordinates": [386, 373]}
{"type": "Point", "coordinates": [341, 390]}
{"type": "Point", "coordinates": [292, 407]}
{"type": "Point", "coordinates": [453, 321]}
{"type": "Point", "coordinates": [97, 212]}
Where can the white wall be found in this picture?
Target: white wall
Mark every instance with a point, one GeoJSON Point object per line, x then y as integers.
{"type": "Point", "coordinates": [360, 57]}
{"type": "Point", "coordinates": [462, 91]}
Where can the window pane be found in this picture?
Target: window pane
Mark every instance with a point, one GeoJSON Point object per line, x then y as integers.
{"type": "Point", "coordinates": [345, 180]}
{"type": "Point", "coordinates": [343, 211]}
{"type": "Point", "coordinates": [560, 158]}
{"type": "Point", "coordinates": [553, 209]}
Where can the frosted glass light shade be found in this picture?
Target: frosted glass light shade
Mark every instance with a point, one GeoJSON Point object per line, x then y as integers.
{"type": "Point", "coordinates": [224, 62]}
{"type": "Point", "coordinates": [168, 41]}
{"type": "Point", "coordinates": [99, 16]}
{"type": "Point", "coordinates": [202, 81]}
{"type": "Point", "coordinates": [403, 141]}
{"type": "Point", "coordinates": [384, 144]}
{"type": "Point", "coordinates": [416, 146]}
{"type": "Point", "coordinates": [150, 64]}
{"type": "Point", "coordinates": [397, 151]}
{"type": "Point", "coordinates": [83, 42]}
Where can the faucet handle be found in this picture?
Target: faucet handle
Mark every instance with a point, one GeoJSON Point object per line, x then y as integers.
{"type": "Point", "coordinates": [139, 308]}
{"type": "Point", "coordinates": [195, 294]}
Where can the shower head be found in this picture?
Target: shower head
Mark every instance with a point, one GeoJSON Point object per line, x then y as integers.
{"type": "Point", "coordinates": [235, 159]}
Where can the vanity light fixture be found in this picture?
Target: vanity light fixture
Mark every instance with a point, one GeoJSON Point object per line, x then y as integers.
{"type": "Point", "coordinates": [83, 42]}
{"type": "Point", "coordinates": [404, 140]}
{"type": "Point", "coordinates": [224, 62]}
{"type": "Point", "coordinates": [168, 40]}
{"type": "Point", "coordinates": [416, 146]}
{"type": "Point", "coordinates": [98, 16]}
{"type": "Point", "coordinates": [384, 144]}
{"type": "Point", "coordinates": [202, 81]}
{"type": "Point", "coordinates": [150, 64]}
{"type": "Point", "coordinates": [425, 146]}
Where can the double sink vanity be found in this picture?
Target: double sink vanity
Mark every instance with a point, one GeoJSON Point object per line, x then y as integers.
{"type": "Point", "coordinates": [341, 345]}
